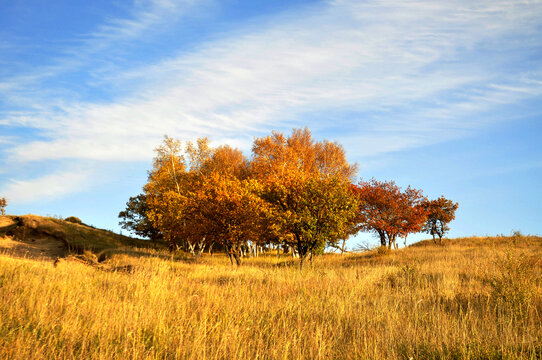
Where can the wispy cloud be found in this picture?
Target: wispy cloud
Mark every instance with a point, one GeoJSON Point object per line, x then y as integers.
{"type": "Point", "coordinates": [408, 74]}
{"type": "Point", "coordinates": [101, 48]}
{"type": "Point", "coordinates": [46, 187]}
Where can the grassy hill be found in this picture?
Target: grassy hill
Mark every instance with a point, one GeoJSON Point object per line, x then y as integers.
{"type": "Point", "coordinates": [76, 237]}
{"type": "Point", "coordinates": [473, 298]}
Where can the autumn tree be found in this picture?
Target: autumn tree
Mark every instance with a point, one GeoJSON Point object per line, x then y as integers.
{"type": "Point", "coordinates": [440, 213]}
{"type": "Point", "coordinates": [387, 211]}
{"type": "Point", "coordinates": [227, 211]}
{"type": "Point", "coordinates": [135, 219]}
{"type": "Point", "coordinates": [226, 160]}
{"type": "Point", "coordinates": [310, 214]}
{"type": "Point", "coordinates": [276, 156]}
{"type": "Point", "coordinates": [306, 184]}
{"type": "Point", "coordinates": [188, 187]}
{"type": "Point", "coordinates": [165, 191]}
{"type": "Point", "coordinates": [3, 204]}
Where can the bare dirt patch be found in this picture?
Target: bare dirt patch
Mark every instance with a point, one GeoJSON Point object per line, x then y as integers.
{"type": "Point", "coordinates": [33, 248]}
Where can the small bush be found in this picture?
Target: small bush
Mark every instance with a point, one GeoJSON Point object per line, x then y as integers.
{"type": "Point", "coordinates": [383, 250]}
{"type": "Point", "coordinates": [74, 220]}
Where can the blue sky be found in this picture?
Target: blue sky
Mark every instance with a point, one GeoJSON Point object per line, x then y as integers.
{"type": "Point", "coordinates": [444, 96]}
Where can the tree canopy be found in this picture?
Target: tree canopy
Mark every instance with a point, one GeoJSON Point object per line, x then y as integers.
{"type": "Point", "coordinates": [293, 191]}
{"type": "Point", "coordinates": [135, 219]}
{"type": "Point", "coordinates": [388, 211]}
{"type": "Point", "coordinates": [440, 213]}
{"type": "Point", "coordinates": [306, 184]}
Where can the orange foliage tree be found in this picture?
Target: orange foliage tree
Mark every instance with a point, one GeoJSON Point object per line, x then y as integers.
{"type": "Point", "coordinates": [165, 192]}
{"type": "Point", "coordinates": [306, 186]}
{"type": "Point", "coordinates": [227, 211]}
{"type": "Point", "coordinates": [198, 195]}
{"type": "Point", "coordinates": [387, 211]}
{"type": "Point", "coordinates": [440, 213]}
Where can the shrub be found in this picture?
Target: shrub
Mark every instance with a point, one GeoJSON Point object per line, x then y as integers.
{"type": "Point", "coordinates": [383, 250]}
{"type": "Point", "coordinates": [74, 219]}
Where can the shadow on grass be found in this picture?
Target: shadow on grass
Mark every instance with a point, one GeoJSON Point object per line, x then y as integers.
{"type": "Point", "coordinates": [144, 253]}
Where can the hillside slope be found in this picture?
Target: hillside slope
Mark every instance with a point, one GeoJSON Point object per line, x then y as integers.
{"type": "Point", "coordinates": [38, 236]}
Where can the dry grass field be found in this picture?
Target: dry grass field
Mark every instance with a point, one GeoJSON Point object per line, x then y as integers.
{"type": "Point", "coordinates": [473, 298]}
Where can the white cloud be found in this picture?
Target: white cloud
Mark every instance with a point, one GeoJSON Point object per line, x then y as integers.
{"type": "Point", "coordinates": [46, 187]}
{"type": "Point", "coordinates": [426, 65]}
{"type": "Point", "coordinates": [359, 57]}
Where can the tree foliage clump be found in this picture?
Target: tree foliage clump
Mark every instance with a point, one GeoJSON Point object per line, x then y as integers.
{"type": "Point", "coordinates": [227, 211]}
{"type": "Point", "coordinates": [306, 185]}
{"type": "Point", "coordinates": [135, 219]}
{"type": "Point", "coordinates": [440, 213]}
{"type": "Point", "coordinates": [199, 195]}
{"type": "Point", "coordinates": [293, 191]}
{"type": "Point", "coordinates": [74, 219]}
{"type": "Point", "coordinates": [388, 211]}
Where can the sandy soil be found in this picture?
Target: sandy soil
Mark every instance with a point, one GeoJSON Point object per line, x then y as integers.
{"type": "Point", "coordinates": [34, 248]}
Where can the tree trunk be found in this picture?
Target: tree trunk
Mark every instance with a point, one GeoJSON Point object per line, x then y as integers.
{"type": "Point", "coordinates": [382, 238]}
{"type": "Point", "coordinates": [229, 252]}
{"type": "Point", "coordinates": [201, 248]}
{"type": "Point", "coordinates": [301, 250]}
{"type": "Point", "coordinates": [191, 247]}
{"type": "Point", "coordinates": [173, 245]}
{"type": "Point", "coordinates": [237, 255]}
{"type": "Point", "coordinates": [391, 239]}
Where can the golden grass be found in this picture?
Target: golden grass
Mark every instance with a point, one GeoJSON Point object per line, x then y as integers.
{"type": "Point", "coordinates": [471, 299]}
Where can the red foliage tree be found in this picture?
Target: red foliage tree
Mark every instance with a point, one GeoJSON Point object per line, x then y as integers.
{"type": "Point", "coordinates": [440, 213]}
{"type": "Point", "coordinates": [387, 211]}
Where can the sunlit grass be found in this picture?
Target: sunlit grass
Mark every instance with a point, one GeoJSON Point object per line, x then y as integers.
{"type": "Point", "coordinates": [473, 298]}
